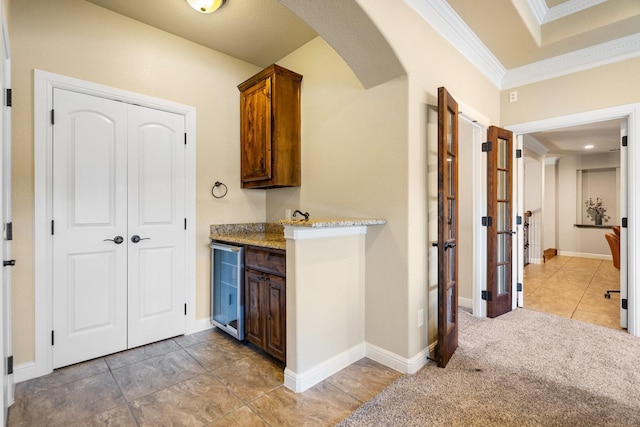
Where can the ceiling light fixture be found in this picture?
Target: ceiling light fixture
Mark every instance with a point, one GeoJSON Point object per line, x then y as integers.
{"type": "Point", "coordinates": [588, 147]}
{"type": "Point", "coordinates": [206, 6]}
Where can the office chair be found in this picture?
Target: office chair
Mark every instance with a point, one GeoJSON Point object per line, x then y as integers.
{"type": "Point", "coordinates": [614, 244]}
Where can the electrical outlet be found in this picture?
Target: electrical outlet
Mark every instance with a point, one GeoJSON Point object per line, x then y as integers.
{"type": "Point", "coordinates": [420, 317]}
{"type": "Point", "coordinates": [513, 96]}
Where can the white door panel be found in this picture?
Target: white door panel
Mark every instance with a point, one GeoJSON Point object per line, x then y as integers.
{"type": "Point", "coordinates": [89, 207]}
{"type": "Point", "coordinates": [118, 173]}
{"type": "Point", "coordinates": [156, 215]}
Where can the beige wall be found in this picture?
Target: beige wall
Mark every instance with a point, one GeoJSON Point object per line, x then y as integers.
{"type": "Point", "coordinates": [430, 62]}
{"type": "Point", "coordinates": [584, 240]}
{"type": "Point", "coordinates": [364, 152]}
{"type": "Point", "coordinates": [606, 86]}
{"type": "Point", "coordinates": [81, 40]}
{"type": "Point", "coordinates": [354, 163]}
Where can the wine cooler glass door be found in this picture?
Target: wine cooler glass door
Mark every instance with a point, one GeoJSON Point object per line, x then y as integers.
{"type": "Point", "coordinates": [226, 293]}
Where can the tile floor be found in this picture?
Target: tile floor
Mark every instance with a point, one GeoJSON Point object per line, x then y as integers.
{"type": "Point", "coordinates": [205, 379]}
{"type": "Point", "coordinates": [574, 288]}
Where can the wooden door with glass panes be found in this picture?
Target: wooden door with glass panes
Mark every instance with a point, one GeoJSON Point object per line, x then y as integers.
{"type": "Point", "coordinates": [447, 227]}
{"type": "Point", "coordinates": [499, 221]}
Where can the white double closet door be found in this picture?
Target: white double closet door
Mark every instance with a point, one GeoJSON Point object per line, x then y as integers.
{"type": "Point", "coordinates": [118, 227]}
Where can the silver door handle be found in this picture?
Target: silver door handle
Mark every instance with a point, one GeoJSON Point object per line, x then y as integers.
{"type": "Point", "coordinates": [135, 238]}
{"type": "Point", "coordinates": [117, 240]}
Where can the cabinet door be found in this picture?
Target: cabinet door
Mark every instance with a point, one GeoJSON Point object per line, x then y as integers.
{"type": "Point", "coordinates": [255, 132]}
{"type": "Point", "coordinates": [275, 309]}
{"type": "Point", "coordinates": [253, 308]}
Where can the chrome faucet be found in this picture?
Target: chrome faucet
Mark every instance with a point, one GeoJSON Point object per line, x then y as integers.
{"type": "Point", "coordinates": [304, 214]}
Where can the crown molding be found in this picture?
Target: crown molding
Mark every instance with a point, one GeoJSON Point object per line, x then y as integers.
{"type": "Point", "coordinates": [539, 9]}
{"type": "Point", "coordinates": [605, 53]}
{"type": "Point", "coordinates": [567, 8]}
{"type": "Point", "coordinates": [534, 145]}
{"type": "Point", "coordinates": [449, 25]}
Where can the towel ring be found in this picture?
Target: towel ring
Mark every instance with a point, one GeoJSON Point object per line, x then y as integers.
{"type": "Point", "coordinates": [221, 192]}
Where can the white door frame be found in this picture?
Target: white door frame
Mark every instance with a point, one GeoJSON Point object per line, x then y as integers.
{"type": "Point", "coordinates": [44, 83]}
{"type": "Point", "coordinates": [631, 112]}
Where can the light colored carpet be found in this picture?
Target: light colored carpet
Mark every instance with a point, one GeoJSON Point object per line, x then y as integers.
{"type": "Point", "coordinates": [524, 368]}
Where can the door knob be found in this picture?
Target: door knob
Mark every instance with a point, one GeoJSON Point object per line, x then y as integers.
{"type": "Point", "coordinates": [135, 238]}
{"type": "Point", "coordinates": [117, 240]}
{"type": "Point", "coordinates": [448, 245]}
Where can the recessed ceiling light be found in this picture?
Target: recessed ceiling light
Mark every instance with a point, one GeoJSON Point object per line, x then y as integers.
{"type": "Point", "coordinates": [206, 6]}
{"type": "Point", "coordinates": [588, 147]}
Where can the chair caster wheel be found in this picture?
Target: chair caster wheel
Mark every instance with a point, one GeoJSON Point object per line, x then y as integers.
{"type": "Point", "coordinates": [608, 296]}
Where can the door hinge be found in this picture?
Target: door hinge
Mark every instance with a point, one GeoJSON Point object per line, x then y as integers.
{"type": "Point", "coordinates": [10, 365]}
{"type": "Point", "coordinates": [185, 223]}
{"type": "Point", "coordinates": [52, 227]}
{"type": "Point", "coordinates": [624, 303]}
{"type": "Point", "coordinates": [53, 121]}
{"type": "Point", "coordinates": [52, 338]}
{"type": "Point", "coordinates": [185, 309]}
{"type": "Point", "coordinates": [8, 97]}
{"type": "Point", "coordinates": [9, 231]}
{"type": "Point", "coordinates": [487, 221]}
{"type": "Point", "coordinates": [518, 153]}
{"type": "Point", "coordinates": [185, 138]}
{"type": "Point", "coordinates": [486, 295]}
{"type": "Point", "coordinates": [518, 220]}
{"type": "Point", "coordinates": [624, 222]}
{"type": "Point", "coordinates": [519, 287]}
{"type": "Point", "coordinates": [486, 146]}
{"type": "Point", "coordinates": [624, 141]}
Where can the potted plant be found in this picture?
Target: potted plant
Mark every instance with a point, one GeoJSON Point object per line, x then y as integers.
{"type": "Point", "coordinates": [596, 210]}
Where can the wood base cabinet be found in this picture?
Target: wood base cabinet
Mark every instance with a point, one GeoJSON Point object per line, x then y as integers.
{"type": "Point", "coordinates": [265, 300]}
{"type": "Point", "coordinates": [270, 129]}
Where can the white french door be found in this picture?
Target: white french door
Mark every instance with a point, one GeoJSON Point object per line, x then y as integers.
{"type": "Point", "coordinates": [118, 226]}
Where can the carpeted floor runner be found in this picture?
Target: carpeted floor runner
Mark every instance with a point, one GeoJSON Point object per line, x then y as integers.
{"type": "Point", "coordinates": [525, 368]}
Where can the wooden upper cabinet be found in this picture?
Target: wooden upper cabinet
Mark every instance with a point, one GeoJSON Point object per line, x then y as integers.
{"type": "Point", "coordinates": [270, 129]}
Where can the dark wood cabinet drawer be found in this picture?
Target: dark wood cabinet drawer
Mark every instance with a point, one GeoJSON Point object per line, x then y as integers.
{"type": "Point", "coordinates": [268, 261]}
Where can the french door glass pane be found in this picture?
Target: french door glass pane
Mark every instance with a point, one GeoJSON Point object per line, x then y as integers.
{"type": "Point", "coordinates": [449, 131]}
{"type": "Point", "coordinates": [450, 304]}
{"type": "Point", "coordinates": [451, 219]}
{"type": "Point", "coordinates": [503, 185]}
{"type": "Point", "coordinates": [451, 174]}
{"type": "Point", "coordinates": [502, 153]}
{"type": "Point", "coordinates": [503, 251]}
{"type": "Point", "coordinates": [503, 216]}
{"type": "Point", "coordinates": [501, 277]}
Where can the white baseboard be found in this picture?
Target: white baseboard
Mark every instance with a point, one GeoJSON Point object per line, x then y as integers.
{"type": "Point", "coordinates": [536, 260]}
{"type": "Point", "coordinates": [199, 325]}
{"type": "Point", "coordinates": [465, 302]}
{"type": "Point", "coordinates": [585, 255]}
{"type": "Point", "coordinates": [299, 382]}
{"type": "Point", "coordinates": [399, 363]}
{"type": "Point", "coordinates": [24, 372]}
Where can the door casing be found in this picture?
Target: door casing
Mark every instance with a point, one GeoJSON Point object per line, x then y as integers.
{"type": "Point", "coordinates": [44, 83]}
{"type": "Point", "coordinates": [630, 112]}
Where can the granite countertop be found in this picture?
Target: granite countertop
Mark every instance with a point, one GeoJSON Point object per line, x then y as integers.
{"type": "Point", "coordinates": [271, 235]}
{"type": "Point", "coordinates": [266, 235]}
{"type": "Point", "coordinates": [332, 222]}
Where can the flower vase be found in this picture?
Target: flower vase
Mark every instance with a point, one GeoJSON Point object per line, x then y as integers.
{"type": "Point", "coordinates": [598, 219]}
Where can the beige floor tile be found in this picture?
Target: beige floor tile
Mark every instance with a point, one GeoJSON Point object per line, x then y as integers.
{"type": "Point", "coordinates": [120, 416]}
{"type": "Point", "coordinates": [321, 405]}
{"type": "Point", "coordinates": [156, 373]}
{"type": "Point", "coordinates": [608, 320]}
{"type": "Point", "coordinates": [240, 417]}
{"type": "Point", "coordinates": [124, 358]}
{"type": "Point", "coordinates": [575, 290]}
{"type": "Point", "coordinates": [251, 377]}
{"type": "Point", "coordinates": [194, 402]}
{"type": "Point", "coordinates": [364, 379]}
